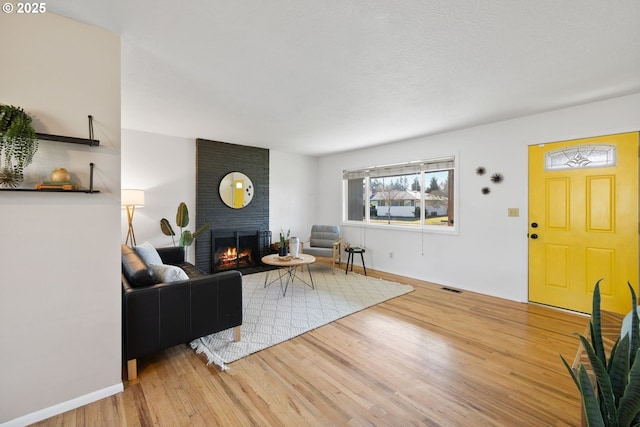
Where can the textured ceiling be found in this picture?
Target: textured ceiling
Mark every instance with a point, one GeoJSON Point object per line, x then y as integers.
{"type": "Point", "coordinates": [321, 76]}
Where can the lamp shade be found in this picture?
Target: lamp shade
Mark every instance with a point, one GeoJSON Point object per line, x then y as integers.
{"type": "Point", "coordinates": [132, 198]}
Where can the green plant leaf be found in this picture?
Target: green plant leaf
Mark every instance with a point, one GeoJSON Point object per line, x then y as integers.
{"type": "Point", "coordinates": [20, 127]}
{"type": "Point", "coordinates": [9, 115]}
{"type": "Point", "coordinates": [589, 400]}
{"type": "Point", "coordinates": [200, 230]}
{"type": "Point", "coordinates": [634, 343]}
{"type": "Point", "coordinates": [573, 375]}
{"type": "Point", "coordinates": [619, 367]}
{"type": "Point", "coordinates": [182, 216]}
{"type": "Point", "coordinates": [165, 226]}
{"type": "Point", "coordinates": [18, 142]}
{"type": "Point", "coordinates": [596, 325]}
{"type": "Point", "coordinates": [186, 238]}
{"type": "Point", "coordinates": [630, 402]}
{"type": "Point", "coordinates": [602, 379]}
{"type": "Point", "coordinates": [612, 354]}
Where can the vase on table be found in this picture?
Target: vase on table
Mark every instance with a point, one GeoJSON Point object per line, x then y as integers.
{"type": "Point", "coordinates": [294, 247]}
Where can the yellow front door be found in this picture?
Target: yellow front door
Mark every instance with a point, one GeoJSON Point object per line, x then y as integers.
{"type": "Point", "coordinates": [238, 193]}
{"type": "Point", "coordinates": [583, 222]}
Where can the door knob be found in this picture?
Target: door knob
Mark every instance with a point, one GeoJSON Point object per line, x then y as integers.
{"type": "Point", "coordinates": [534, 225]}
{"type": "Point", "coordinates": [534, 236]}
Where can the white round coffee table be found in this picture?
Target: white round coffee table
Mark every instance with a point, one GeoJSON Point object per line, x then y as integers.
{"type": "Point", "coordinates": [287, 267]}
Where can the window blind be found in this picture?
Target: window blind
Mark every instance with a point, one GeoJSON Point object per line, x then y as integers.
{"type": "Point", "coordinates": [400, 169]}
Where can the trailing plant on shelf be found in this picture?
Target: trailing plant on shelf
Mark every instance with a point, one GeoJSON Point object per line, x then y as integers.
{"type": "Point", "coordinates": [182, 220]}
{"type": "Point", "coordinates": [614, 400]}
{"type": "Point", "coordinates": [18, 144]}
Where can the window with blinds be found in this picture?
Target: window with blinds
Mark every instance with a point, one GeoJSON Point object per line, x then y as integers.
{"type": "Point", "coordinates": [413, 194]}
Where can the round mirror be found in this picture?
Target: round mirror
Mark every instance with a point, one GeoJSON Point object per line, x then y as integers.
{"type": "Point", "coordinates": [236, 190]}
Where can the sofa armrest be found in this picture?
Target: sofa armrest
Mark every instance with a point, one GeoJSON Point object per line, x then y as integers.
{"type": "Point", "coordinates": [337, 251]}
{"type": "Point", "coordinates": [162, 315]}
{"type": "Point", "coordinates": [173, 255]}
{"type": "Point", "coordinates": [145, 313]}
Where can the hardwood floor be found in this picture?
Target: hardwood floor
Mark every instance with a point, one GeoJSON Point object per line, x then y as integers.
{"type": "Point", "coordinates": [429, 358]}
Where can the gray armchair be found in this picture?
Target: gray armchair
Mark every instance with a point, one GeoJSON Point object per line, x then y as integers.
{"type": "Point", "coordinates": [325, 241]}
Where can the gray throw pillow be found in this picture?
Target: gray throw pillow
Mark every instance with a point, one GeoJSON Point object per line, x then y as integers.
{"type": "Point", "coordinates": [164, 273]}
{"type": "Point", "coordinates": [148, 253]}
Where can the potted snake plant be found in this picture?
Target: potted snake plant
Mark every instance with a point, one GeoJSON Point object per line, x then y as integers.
{"type": "Point", "coordinates": [614, 400]}
{"type": "Point", "coordinates": [18, 144]}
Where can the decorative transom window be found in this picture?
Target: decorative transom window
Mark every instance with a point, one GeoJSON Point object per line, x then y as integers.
{"type": "Point", "coordinates": [580, 157]}
{"type": "Point", "coordinates": [413, 194]}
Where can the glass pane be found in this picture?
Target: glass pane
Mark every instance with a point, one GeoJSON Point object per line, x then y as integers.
{"type": "Point", "coordinates": [402, 195]}
{"type": "Point", "coordinates": [355, 199]}
{"type": "Point", "coordinates": [395, 200]}
{"type": "Point", "coordinates": [438, 192]}
{"type": "Point", "coordinates": [581, 156]}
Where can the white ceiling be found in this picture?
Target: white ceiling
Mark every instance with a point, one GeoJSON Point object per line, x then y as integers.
{"type": "Point", "coordinates": [322, 76]}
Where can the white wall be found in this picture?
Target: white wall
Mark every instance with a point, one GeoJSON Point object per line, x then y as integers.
{"type": "Point", "coordinates": [60, 319]}
{"type": "Point", "coordinates": [165, 168]}
{"type": "Point", "coordinates": [489, 253]}
{"type": "Point", "coordinates": [293, 182]}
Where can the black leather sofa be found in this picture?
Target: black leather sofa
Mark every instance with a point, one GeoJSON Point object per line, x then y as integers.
{"type": "Point", "coordinates": [156, 316]}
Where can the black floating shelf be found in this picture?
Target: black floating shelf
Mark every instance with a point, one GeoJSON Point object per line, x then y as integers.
{"type": "Point", "coordinates": [71, 139]}
{"type": "Point", "coordinates": [59, 138]}
{"type": "Point", "coordinates": [48, 190]}
{"type": "Point", "coordinates": [59, 190]}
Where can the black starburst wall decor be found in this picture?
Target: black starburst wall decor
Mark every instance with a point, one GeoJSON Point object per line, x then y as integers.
{"type": "Point", "coordinates": [496, 178]}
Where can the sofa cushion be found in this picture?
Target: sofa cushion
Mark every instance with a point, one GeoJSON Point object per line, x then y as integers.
{"type": "Point", "coordinates": [148, 253]}
{"type": "Point", "coordinates": [134, 269]}
{"type": "Point", "coordinates": [321, 252]}
{"type": "Point", "coordinates": [165, 273]}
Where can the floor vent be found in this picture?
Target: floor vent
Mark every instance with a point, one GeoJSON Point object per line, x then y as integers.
{"type": "Point", "coordinates": [456, 291]}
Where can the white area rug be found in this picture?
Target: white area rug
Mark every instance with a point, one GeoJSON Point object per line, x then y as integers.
{"type": "Point", "coordinates": [270, 318]}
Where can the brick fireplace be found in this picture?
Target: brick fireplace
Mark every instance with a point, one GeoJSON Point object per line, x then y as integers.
{"type": "Point", "coordinates": [214, 160]}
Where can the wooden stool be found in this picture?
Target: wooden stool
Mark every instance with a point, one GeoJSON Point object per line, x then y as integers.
{"type": "Point", "coordinates": [352, 251]}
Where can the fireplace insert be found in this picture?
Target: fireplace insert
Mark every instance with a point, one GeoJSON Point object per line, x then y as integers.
{"type": "Point", "coordinates": [239, 249]}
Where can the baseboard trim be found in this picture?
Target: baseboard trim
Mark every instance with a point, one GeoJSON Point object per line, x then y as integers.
{"type": "Point", "coordinates": [58, 409]}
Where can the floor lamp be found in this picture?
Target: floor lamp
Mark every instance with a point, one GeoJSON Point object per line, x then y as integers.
{"type": "Point", "coordinates": [131, 199]}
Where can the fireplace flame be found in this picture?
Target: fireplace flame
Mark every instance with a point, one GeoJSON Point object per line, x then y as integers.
{"type": "Point", "coordinates": [232, 257]}
{"type": "Point", "coordinates": [231, 254]}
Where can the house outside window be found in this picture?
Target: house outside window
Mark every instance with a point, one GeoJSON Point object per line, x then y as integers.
{"type": "Point", "coordinates": [415, 194]}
